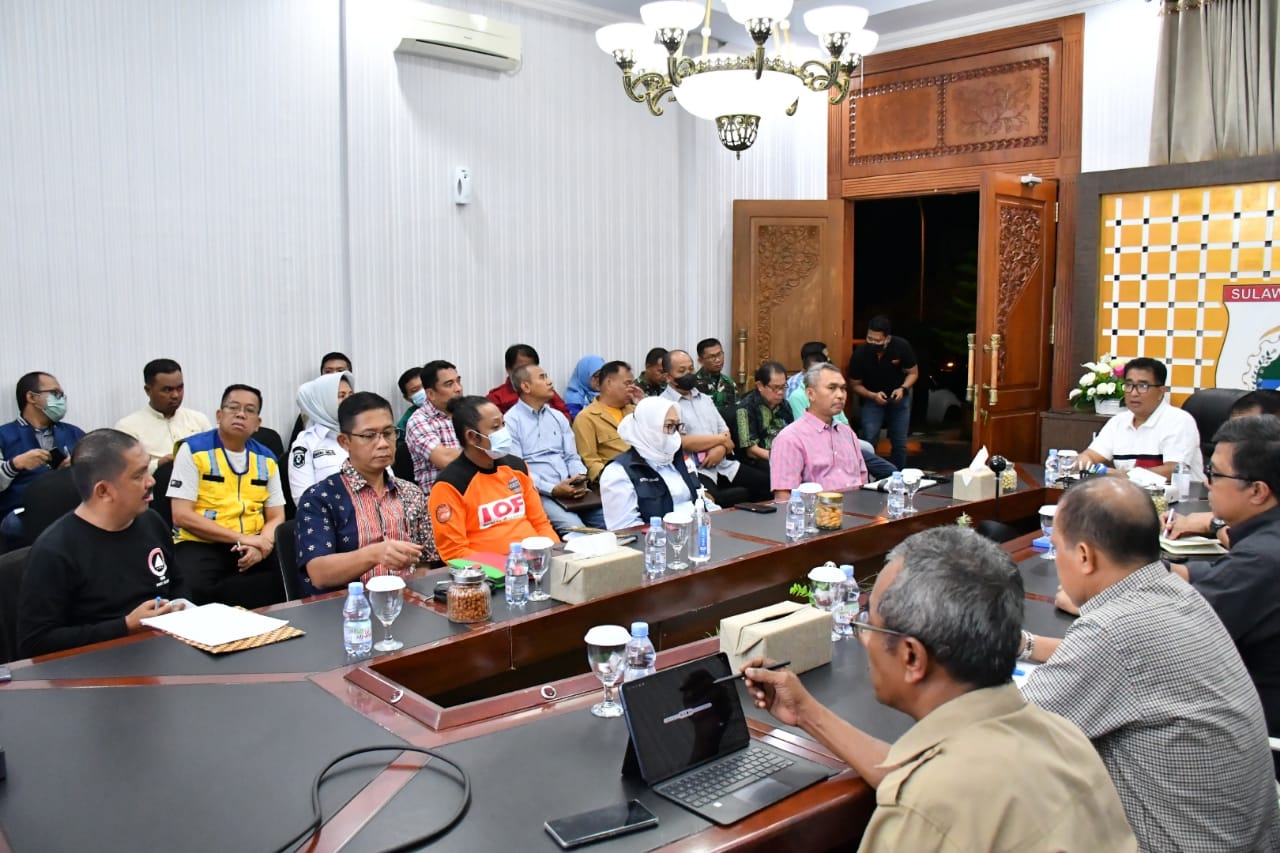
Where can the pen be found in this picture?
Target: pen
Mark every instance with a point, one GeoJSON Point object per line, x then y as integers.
{"type": "Point", "coordinates": [1168, 523]}
{"type": "Point", "coordinates": [779, 665]}
{"type": "Point", "coordinates": [158, 600]}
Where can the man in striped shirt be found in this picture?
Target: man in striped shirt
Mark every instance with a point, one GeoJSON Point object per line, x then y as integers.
{"type": "Point", "coordinates": [429, 433]}
{"type": "Point", "coordinates": [817, 448]}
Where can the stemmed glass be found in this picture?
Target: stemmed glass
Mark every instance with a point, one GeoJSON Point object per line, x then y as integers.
{"type": "Point", "coordinates": [677, 524]}
{"type": "Point", "coordinates": [1046, 527]}
{"type": "Point", "coordinates": [826, 585]}
{"type": "Point", "coordinates": [386, 597]}
{"type": "Point", "coordinates": [911, 479]}
{"type": "Point", "coordinates": [537, 556]}
{"type": "Point", "coordinates": [809, 496]}
{"type": "Point", "coordinates": [607, 657]}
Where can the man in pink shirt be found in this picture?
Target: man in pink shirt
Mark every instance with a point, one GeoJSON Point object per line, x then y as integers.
{"type": "Point", "coordinates": [817, 449]}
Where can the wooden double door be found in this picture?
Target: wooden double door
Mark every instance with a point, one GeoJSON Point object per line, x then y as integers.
{"type": "Point", "coordinates": [793, 282]}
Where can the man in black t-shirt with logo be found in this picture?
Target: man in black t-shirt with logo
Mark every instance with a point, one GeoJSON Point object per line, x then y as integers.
{"type": "Point", "coordinates": [98, 571]}
{"type": "Point", "coordinates": [881, 372]}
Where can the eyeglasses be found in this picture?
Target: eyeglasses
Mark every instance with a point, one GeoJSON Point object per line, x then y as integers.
{"type": "Point", "coordinates": [389, 435]}
{"type": "Point", "coordinates": [1140, 387]}
{"type": "Point", "coordinates": [1210, 475]}
{"type": "Point", "coordinates": [236, 408]}
{"type": "Point", "coordinates": [57, 392]}
{"type": "Point", "coordinates": [777, 388]}
{"type": "Point", "coordinates": [863, 624]}
{"type": "Point", "coordinates": [671, 429]}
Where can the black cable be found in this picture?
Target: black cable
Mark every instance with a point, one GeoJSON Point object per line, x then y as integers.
{"type": "Point", "coordinates": [317, 818]}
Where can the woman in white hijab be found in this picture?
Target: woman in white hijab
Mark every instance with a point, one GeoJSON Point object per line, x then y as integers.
{"type": "Point", "coordinates": [316, 453]}
{"type": "Point", "coordinates": [652, 478]}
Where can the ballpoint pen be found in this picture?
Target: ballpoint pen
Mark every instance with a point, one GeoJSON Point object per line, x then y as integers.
{"type": "Point", "coordinates": [779, 665]}
{"type": "Point", "coordinates": [1168, 523]}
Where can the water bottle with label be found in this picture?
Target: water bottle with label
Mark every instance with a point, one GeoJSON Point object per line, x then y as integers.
{"type": "Point", "coordinates": [701, 550]}
{"type": "Point", "coordinates": [655, 549]}
{"type": "Point", "coordinates": [516, 583]}
{"type": "Point", "coordinates": [897, 496]}
{"type": "Point", "coordinates": [1181, 480]}
{"type": "Point", "coordinates": [795, 516]}
{"type": "Point", "coordinates": [1051, 469]}
{"type": "Point", "coordinates": [640, 653]}
{"type": "Point", "coordinates": [847, 610]}
{"type": "Point", "coordinates": [357, 623]}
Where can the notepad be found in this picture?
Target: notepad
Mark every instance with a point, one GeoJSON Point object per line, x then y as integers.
{"type": "Point", "coordinates": [1022, 671]}
{"type": "Point", "coordinates": [1192, 546]}
{"type": "Point", "coordinates": [883, 485]}
{"type": "Point", "coordinates": [214, 624]}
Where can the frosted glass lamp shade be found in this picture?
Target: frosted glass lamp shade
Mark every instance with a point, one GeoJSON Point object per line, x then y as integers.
{"type": "Point", "coordinates": [835, 19]}
{"type": "Point", "coordinates": [671, 14]}
{"type": "Point", "coordinates": [623, 37]}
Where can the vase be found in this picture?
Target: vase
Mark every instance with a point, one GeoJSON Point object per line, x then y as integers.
{"type": "Point", "coordinates": [1106, 407]}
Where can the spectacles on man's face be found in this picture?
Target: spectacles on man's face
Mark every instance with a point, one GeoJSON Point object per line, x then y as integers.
{"type": "Point", "coordinates": [862, 627]}
{"type": "Point", "coordinates": [1138, 387]}
{"type": "Point", "coordinates": [388, 435]}
{"type": "Point", "coordinates": [777, 389]}
{"type": "Point", "coordinates": [1210, 475]}
{"type": "Point", "coordinates": [674, 427]}
{"type": "Point", "coordinates": [236, 408]}
{"type": "Point", "coordinates": [57, 392]}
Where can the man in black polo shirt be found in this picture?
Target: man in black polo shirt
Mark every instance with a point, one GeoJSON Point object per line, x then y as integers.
{"type": "Point", "coordinates": [98, 571]}
{"type": "Point", "coordinates": [881, 372]}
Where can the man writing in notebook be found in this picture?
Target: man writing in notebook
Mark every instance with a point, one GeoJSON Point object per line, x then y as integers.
{"type": "Point", "coordinates": [937, 787]}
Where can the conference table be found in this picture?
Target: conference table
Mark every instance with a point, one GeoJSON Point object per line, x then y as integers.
{"type": "Point", "coordinates": [147, 743]}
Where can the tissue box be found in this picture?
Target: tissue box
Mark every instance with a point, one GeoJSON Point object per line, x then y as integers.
{"type": "Point", "coordinates": [575, 578]}
{"type": "Point", "coordinates": [973, 484]}
{"type": "Point", "coordinates": [784, 631]}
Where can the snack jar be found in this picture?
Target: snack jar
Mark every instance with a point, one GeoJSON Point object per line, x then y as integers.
{"type": "Point", "coordinates": [468, 596]}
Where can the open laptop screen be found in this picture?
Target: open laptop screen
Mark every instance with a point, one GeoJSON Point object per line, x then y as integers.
{"type": "Point", "coordinates": [679, 719]}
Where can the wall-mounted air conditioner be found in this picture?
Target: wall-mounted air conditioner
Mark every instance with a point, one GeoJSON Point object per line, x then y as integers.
{"type": "Point", "coordinates": [461, 37]}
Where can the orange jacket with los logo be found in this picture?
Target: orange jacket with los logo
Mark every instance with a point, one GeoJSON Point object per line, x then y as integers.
{"type": "Point", "coordinates": [474, 509]}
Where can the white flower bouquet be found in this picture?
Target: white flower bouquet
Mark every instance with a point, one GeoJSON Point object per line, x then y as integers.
{"type": "Point", "coordinates": [1103, 380]}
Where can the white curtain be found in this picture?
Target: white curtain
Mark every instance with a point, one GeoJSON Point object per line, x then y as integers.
{"type": "Point", "coordinates": [1216, 93]}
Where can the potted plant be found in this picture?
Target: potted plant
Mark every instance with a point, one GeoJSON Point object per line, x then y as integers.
{"type": "Point", "coordinates": [1101, 388]}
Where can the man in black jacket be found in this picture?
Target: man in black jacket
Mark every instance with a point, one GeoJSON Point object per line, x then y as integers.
{"type": "Point", "coordinates": [98, 571]}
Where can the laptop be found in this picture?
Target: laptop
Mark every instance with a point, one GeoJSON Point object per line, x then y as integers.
{"type": "Point", "coordinates": [690, 743]}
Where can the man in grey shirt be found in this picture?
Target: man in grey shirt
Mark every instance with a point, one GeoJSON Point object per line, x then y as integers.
{"type": "Point", "coordinates": [1150, 674]}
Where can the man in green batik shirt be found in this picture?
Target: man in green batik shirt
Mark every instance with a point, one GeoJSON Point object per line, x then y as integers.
{"type": "Point", "coordinates": [653, 381]}
{"type": "Point", "coordinates": [761, 415]}
{"type": "Point", "coordinates": [711, 381]}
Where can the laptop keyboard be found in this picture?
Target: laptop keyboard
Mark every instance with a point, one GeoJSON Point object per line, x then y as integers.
{"type": "Point", "coordinates": [725, 776]}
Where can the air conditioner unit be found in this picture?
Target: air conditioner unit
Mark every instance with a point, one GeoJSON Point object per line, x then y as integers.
{"type": "Point", "coordinates": [461, 37]}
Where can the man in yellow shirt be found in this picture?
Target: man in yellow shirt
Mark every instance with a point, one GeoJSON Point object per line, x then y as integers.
{"type": "Point", "coordinates": [164, 421]}
{"type": "Point", "coordinates": [595, 429]}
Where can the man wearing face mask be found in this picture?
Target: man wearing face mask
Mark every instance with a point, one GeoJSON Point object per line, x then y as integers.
{"type": "Point", "coordinates": [34, 444]}
{"type": "Point", "coordinates": [881, 372]}
{"type": "Point", "coordinates": [484, 500]}
{"type": "Point", "coordinates": [414, 394]}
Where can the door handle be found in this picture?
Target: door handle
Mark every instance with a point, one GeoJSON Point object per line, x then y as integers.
{"type": "Point", "coordinates": [992, 389]}
{"type": "Point", "coordinates": [968, 388]}
{"type": "Point", "coordinates": [742, 357]}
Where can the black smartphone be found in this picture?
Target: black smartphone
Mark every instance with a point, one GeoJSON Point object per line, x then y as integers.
{"type": "Point", "coordinates": [762, 508]}
{"type": "Point", "coordinates": [598, 824]}
{"type": "Point", "coordinates": [56, 457]}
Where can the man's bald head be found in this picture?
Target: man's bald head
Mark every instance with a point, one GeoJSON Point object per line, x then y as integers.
{"type": "Point", "coordinates": [1113, 516]}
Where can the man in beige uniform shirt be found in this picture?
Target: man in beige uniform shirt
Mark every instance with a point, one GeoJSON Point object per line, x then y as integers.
{"type": "Point", "coordinates": [162, 423]}
{"type": "Point", "coordinates": [981, 769]}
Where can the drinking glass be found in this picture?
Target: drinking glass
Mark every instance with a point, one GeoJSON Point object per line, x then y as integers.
{"type": "Point", "coordinates": [607, 657]}
{"type": "Point", "coordinates": [911, 478]}
{"type": "Point", "coordinates": [677, 525]}
{"type": "Point", "coordinates": [1046, 527]}
{"type": "Point", "coordinates": [1067, 461]}
{"type": "Point", "coordinates": [386, 598]}
{"type": "Point", "coordinates": [537, 556]}
{"type": "Point", "coordinates": [826, 590]}
{"type": "Point", "coordinates": [809, 495]}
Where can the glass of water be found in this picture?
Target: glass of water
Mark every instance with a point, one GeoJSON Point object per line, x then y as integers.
{"type": "Point", "coordinates": [911, 478]}
{"type": "Point", "coordinates": [537, 557]}
{"type": "Point", "coordinates": [386, 598]}
{"type": "Point", "coordinates": [809, 495]}
{"type": "Point", "coordinates": [1046, 527]}
{"type": "Point", "coordinates": [677, 525]}
{"type": "Point", "coordinates": [607, 657]}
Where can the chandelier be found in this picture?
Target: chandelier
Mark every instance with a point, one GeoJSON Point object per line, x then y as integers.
{"type": "Point", "coordinates": [736, 91]}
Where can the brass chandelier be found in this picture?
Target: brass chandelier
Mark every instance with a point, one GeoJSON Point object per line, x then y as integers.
{"type": "Point", "coordinates": [736, 91]}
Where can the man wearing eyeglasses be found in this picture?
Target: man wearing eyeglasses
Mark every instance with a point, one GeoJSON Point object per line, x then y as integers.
{"type": "Point", "coordinates": [226, 501]}
{"type": "Point", "coordinates": [762, 413]}
{"type": "Point", "coordinates": [35, 443]}
{"type": "Point", "coordinates": [362, 521]}
{"type": "Point", "coordinates": [1151, 433]}
{"type": "Point", "coordinates": [981, 769]}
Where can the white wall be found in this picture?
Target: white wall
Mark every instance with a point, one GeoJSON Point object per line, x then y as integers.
{"type": "Point", "coordinates": [1120, 47]}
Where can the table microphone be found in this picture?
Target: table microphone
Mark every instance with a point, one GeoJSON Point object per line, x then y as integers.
{"type": "Point", "coordinates": [997, 464]}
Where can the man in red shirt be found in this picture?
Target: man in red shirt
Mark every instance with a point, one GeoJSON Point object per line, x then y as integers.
{"type": "Point", "coordinates": [505, 395]}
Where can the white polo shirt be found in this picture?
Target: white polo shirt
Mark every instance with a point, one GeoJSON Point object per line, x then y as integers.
{"type": "Point", "coordinates": [159, 434]}
{"type": "Point", "coordinates": [315, 455]}
{"type": "Point", "coordinates": [1169, 435]}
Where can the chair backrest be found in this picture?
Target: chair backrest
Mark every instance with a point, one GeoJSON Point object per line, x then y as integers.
{"type": "Point", "coordinates": [1211, 407]}
{"type": "Point", "coordinates": [12, 565]}
{"type": "Point", "coordinates": [287, 558]}
{"type": "Point", "coordinates": [403, 466]}
{"type": "Point", "coordinates": [49, 497]}
{"type": "Point", "coordinates": [160, 492]}
{"type": "Point", "coordinates": [270, 439]}
{"type": "Point", "coordinates": [996, 531]}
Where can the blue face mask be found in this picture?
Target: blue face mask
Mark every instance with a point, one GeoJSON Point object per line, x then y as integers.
{"type": "Point", "coordinates": [418, 397]}
{"type": "Point", "coordinates": [499, 443]}
{"type": "Point", "coordinates": [55, 407]}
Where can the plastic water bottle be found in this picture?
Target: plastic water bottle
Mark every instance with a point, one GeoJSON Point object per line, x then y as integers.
{"type": "Point", "coordinates": [795, 516]}
{"type": "Point", "coordinates": [850, 605]}
{"type": "Point", "coordinates": [516, 583]}
{"type": "Point", "coordinates": [701, 551]}
{"type": "Point", "coordinates": [897, 496]}
{"type": "Point", "coordinates": [1181, 480]}
{"type": "Point", "coordinates": [357, 623]}
{"type": "Point", "coordinates": [655, 549]}
{"type": "Point", "coordinates": [640, 653]}
{"type": "Point", "coordinates": [1051, 469]}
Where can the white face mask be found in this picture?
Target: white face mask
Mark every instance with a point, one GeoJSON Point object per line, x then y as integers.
{"type": "Point", "coordinates": [671, 443]}
{"type": "Point", "coordinates": [500, 443]}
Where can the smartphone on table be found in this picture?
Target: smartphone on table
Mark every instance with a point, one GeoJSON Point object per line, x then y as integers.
{"type": "Point", "coordinates": [599, 824]}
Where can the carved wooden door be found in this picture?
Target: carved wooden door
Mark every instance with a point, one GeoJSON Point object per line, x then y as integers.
{"type": "Point", "coordinates": [1011, 360]}
{"type": "Point", "coordinates": [792, 281]}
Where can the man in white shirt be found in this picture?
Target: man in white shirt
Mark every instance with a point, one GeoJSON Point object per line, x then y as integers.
{"type": "Point", "coordinates": [706, 438]}
{"type": "Point", "coordinates": [163, 422]}
{"type": "Point", "coordinates": [1150, 433]}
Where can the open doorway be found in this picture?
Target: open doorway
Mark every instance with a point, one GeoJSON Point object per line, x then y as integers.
{"type": "Point", "coordinates": [916, 261]}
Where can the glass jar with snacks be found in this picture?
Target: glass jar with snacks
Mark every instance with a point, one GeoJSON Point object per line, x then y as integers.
{"type": "Point", "coordinates": [468, 596]}
{"type": "Point", "coordinates": [830, 510]}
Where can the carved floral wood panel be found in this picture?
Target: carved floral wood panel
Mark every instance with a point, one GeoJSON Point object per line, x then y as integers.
{"type": "Point", "coordinates": [1021, 251]}
{"type": "Point", "coordinates": [787, 257]}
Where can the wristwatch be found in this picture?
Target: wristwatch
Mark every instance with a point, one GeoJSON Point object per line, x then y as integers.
{"type": "Point", "coordinates": [1028, 646]}
{"type": "Point", "coordinates": [1216, 524]}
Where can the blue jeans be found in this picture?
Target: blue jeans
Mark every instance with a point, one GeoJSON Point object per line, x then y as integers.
{"type": "Point", "coordinates": [877, 467]}
{"type": "Point", "coordinates": [895, 418]}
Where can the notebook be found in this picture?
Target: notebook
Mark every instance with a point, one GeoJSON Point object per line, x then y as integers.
{"type": "Point", "coordinates": [690, 743]}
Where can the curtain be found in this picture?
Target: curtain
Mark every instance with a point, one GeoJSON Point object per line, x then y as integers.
{"type": "Point", "coordinates": [1216, 93]}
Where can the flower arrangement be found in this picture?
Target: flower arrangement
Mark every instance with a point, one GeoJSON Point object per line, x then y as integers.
{"type": "Point", "coordinates": [1103, 380]}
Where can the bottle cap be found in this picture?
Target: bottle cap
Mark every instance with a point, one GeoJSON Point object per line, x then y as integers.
{"type": "Point", "coordinates": [847, 569]}
{"type": "Point", "coordinates": [355, 588]}
{"type": "Point", "coordinates": [639, 629]}
{"type": "Point", "coordinates": [655, 521]}
{"type": "Point", "coordinates": [516, 548]}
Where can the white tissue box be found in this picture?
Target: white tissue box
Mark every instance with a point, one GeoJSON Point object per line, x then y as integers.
{"type": "Point", "coordinates": [973, 484]}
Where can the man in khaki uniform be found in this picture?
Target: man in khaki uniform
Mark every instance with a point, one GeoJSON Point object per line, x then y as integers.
{"type": "Point", "coordinates": [981, 769]}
